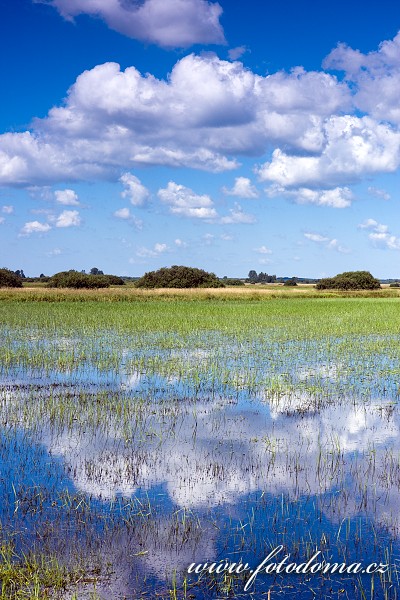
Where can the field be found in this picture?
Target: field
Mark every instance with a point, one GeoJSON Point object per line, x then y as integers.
{"type": "Point", "coordinates": [145, 431]}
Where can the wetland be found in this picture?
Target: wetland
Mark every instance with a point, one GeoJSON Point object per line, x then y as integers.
{"type": "Point", "coordinates": [142, 435]}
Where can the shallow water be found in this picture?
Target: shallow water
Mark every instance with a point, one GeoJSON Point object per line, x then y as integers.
{"type": "Point", "coordinates": [213, 450]}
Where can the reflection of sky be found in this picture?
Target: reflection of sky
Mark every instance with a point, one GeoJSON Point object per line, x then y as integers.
{"type": "Point", "coordinates": [216, 453]}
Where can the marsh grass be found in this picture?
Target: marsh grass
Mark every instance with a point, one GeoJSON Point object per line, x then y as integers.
{"type": "Point", "coordinates": [143, 430]}
{"type": "Point", "coordinates": [33, 576]}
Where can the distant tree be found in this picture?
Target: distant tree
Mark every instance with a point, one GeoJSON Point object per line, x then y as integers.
{"type": "Point", "coordinates": [42, 275]}
{"type": "Point", "coordinates": [20, 273]}
{"type": "Point", "coordinates": [9, 279]}
{"type": "Point", "coordinates": [96, 271]}
{"type": "Point", "coordinates": [253, 277]}
{"type": "Point", "coordinates": [262, 277]}
{"type": "Point", "coordinates": [74, 279]}
{"type": "Point", "coordinates": [395, 284]}
{"type": "Point", "coordinates": [179, 277]}
{"type": "Point", "coordinates": [350, 280]}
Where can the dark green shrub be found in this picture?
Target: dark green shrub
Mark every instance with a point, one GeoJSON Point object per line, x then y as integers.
{"type": "Point", "coordinates": [9, 279]}
{"type": "Point", "coordinates": [232, 281]}
{"type": "Point", "coordinates": [114, 279]}
{"type": "Point", "coordinates": [350, 280]}
{"type": "Point", "coordinates": [75, 279]}
{"type": "Point", "coordinates": [291, 282]}
{"type": "Point", "coordinates": [395, 284]}
{"type": "Point", "coordinates": [179, 277]}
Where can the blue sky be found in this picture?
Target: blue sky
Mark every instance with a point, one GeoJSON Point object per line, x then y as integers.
{"type": "Point", "coordinates": [136, 134]}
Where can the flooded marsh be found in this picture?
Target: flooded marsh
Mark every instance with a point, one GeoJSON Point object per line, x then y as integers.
{"type": "Point", "coordinates": [140, 437]}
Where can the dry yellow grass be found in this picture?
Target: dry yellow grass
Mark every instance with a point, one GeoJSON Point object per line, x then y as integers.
{"type": "Point", "coordinates": [117, 294]}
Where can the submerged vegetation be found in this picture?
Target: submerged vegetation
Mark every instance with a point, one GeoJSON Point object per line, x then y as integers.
{"type": "Point", "coordinates": [141, 436]}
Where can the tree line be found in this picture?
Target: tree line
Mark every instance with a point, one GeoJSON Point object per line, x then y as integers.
{"type": "Point", "coordinates": [64, 279]}
{"type": "Point", "coordinates": [179, 276]}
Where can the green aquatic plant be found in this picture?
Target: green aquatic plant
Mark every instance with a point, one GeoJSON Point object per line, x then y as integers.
{"type": "Point", "coordinates": [162, 430]}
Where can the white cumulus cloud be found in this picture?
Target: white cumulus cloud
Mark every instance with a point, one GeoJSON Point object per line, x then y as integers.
{"type": "Point", "coordinates": [126, 215]}
{"type": "Point", "coordinates": [67, 197]}
{"type": "Point", "coordinates": [123, 213]}
{"type": "Point", "coordinates": [34, 227]}
{"type": "Point", "coordinates": [237, 215]}
{"type": "Point", "coordinates": [331, 244]}
{"type": "Point", "coordinates": [157, 249]}
{"type": "Point", "coordinates": [339, 197]}
{"type": "Point", "coordinates": [386, 240]}
{"type": "Point", "coordinates": [375, 77]}
{"type": "Point", "coordinates": [134, 190]}
{"type": "Point", "coordinates": [207, 112]}
{"type": "Point", "coordinates": [68, 218]}
{"type": "Point", "coordinates": [316, 237]}
{"type": "Point", "coordinates": [7, 209]}
{"type": "Point", "coordinates": [184, 202]}
{"type": "Point", "coordinates": [353, 148]}
{"type": "Point", "coordinates": [380, 235]}
{"type": "Point", "coordinates": [168, 23]}
{"type": "Point", "coordinates": [243, 188]}
{"type": "Point", "coordinates": [374, 226]}
{"type": "Point", "coordinates": [324, 134]}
